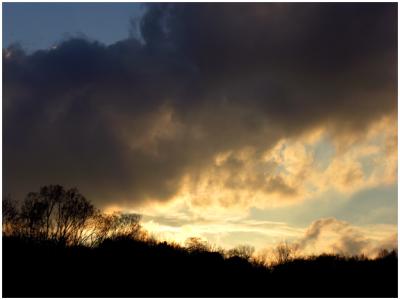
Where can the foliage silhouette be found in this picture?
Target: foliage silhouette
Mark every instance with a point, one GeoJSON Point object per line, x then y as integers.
{"type": "Point", "coordinates": [57, 245]}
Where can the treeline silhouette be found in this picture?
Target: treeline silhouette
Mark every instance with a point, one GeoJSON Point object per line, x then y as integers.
{"type": "Point", "coordinates": [57, 244]}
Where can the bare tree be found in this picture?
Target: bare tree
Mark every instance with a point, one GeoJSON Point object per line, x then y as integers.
{"type": "Point", "coordinates": [10, 216]}
{"type": "Point", "coordinates": [51, 195]}
{"type": "Point", "coordinates": [38, 209]}
{"type": "Point", "coordinates": [68, 217]}
{"type": "Point", "coordinates": [125, 225]}
{"type": "Point", "coordinates": [196, 244]}
{"type": "Point", "coordinates": [98, 227]}
{"type": "Point", "coordinates": [73, 212]}
{"type": "Point", "coordinates": [243, 251]}
{"type": "Point", "coordinates": [285, 252]}
{"type": "Point", "coordinates": [33, 212]}
{"type": "Point", "coordinates": [102, 226]}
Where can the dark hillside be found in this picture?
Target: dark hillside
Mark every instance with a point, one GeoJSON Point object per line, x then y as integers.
{"type": "Point", "coordinates": [56, 244]}
{"type": "Point", "coordinates": [129, 268]}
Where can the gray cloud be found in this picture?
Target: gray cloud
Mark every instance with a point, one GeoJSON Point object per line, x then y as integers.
{"type": "Point", "coordinates": [126, 122]}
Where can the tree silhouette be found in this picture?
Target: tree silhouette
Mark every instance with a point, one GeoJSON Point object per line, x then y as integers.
{"type": "Point", "coordinates": [53, 213]}
{"type": "Point", "coordinates": [51, 195]}
{"type": "Point", "coordinates": [285, 252]}
{"type": "Point", "coordinates": [242, 251]}
{"type": "Point", "coordinates": [99, 227]}
{"type": "Point", "coordinates": [111, 226]}
{"type": "Point", "coordinates": [10, 216]}
{"type": "Point", "coordinates": [73, 212]}
{"type": "Point", "coordinates": [125, 225]}
{"type": "Point", "coordinates": [196, 244]}
{"type": "Point", "coordinates": [66, 216]}
{"type": "Point", "coordinates": [32, 216]}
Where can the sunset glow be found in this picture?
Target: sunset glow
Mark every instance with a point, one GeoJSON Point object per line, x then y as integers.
{"type": "Point", "coordinates": [238, 124]}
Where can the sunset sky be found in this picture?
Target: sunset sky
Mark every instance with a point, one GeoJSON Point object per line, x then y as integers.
{"type": "Point", "coordinates": [237, 123]}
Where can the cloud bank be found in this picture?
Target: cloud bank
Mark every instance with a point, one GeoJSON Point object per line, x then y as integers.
{"type": "Point", "coordinates": [335, 236]}
{"type": "Point", "coordinates": [209, 90]}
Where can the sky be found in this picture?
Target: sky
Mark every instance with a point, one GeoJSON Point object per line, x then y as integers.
{"type": "Point", "coordinates": [42, 25]}
{"type": "Point", "coordinates": [236, 123]}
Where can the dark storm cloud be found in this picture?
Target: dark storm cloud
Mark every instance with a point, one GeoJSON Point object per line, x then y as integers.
{"type": "Point", "coordinates": [129, 120]}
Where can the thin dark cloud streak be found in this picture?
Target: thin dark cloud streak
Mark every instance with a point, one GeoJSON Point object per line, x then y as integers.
{"type": "Point", "coordinates": [126, 122]}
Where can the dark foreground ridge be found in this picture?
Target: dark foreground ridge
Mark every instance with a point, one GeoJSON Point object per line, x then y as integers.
{"type": "Point", "coordinates": [56, 244]}
{"type": "Point", "coordinates": [129, 268]}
